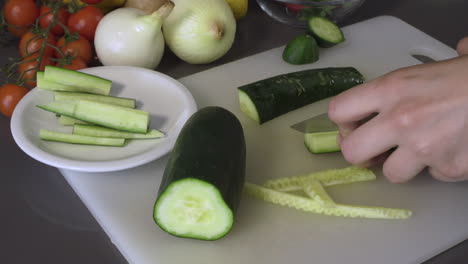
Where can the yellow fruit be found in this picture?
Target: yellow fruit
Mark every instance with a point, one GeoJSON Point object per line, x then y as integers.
{"type": "Point", "coordinates": [238, 7]}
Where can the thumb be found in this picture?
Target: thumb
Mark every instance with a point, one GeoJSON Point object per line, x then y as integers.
{"type": "Point", "coordinates": [462, 46]}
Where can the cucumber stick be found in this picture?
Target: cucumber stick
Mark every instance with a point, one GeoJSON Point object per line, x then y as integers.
{"type": "Point", "coordinates": [98, 131]}
{"type": "Point", "coordinates": [326, 178]}
{"type": "Point", "coordinates": [269, 98]}
{"type": "Point", "coordinates": [82, 82]}
{"type": "Point", "coordinates": [322, 142]}
{"type": "Point", "coordinates": [203, 179]}
{"type": "Point", "coordinates": [70, 121]}
{"type": "Point", "coordinates": [112, 116]}
{"type": "Point", "coordinates": [314, 189]}
{"type": "Point", "coordinates": [70, 96]}
{"type": "Point", "coordinates": [309, 205]}
{"type": "Point", "coordinates": [78, 139]}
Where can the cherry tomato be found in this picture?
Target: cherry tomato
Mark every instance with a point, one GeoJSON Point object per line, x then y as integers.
{"type": "Point", "coordinates": [31, 42]}
{"type": "Point", "coordinates": [20, 14]}
{"type": "Point", "coordinates": [295, 7]}
{"type": "Point", "coordinates": [47, 17]}
{"type": "Point", "coordinates": [29, 68]}
{"type": "Point", "coordinates": [79, 47]}
{"type": "Point", "coordinates": [10, 95]}
{"type": "Point", "coordinates": [92, 2]}
{"type": "Point", "coordinates": [76, 64]}
{"type": "Point", "coordinates": [85, 21]}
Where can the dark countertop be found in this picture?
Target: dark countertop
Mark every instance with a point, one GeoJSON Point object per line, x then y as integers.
{"type": "Point", "coordinates": [43, 221]}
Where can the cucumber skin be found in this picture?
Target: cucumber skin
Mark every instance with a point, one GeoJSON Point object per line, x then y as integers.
{"type": "Point", "coordinates": [303, 49]}
{"type": "Point", "coordinates": [280, 94]}
{"type": "Point", "coordinates": [211, 148]}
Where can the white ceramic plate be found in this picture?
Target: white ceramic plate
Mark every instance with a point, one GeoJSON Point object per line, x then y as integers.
{"type": "Point", "coordinates": [169, 103]}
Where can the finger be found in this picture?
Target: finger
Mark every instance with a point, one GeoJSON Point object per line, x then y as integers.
{"type": "Point", "coordinates": [462, 46]}
{"type": "Point", "coordinates": [354, 104]}
{"type": "Point", "coordinates": [439, 175]}
{"type": "Point", "coordinates": [368, 141]}
{"type": "Point", "coordinates": [402, 165]}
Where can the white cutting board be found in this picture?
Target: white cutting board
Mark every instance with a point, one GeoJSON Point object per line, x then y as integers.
{"type": "Point", "coordinates": [122, 202]}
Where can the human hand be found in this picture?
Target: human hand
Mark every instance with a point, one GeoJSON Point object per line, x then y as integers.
{"type": "Point", "coordinates": [421, 110]}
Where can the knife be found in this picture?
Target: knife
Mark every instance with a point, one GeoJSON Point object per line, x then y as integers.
{"type": "Point", "coordinates": [319, 123]}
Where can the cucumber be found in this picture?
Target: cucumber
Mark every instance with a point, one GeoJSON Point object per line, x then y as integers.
{"type": "Point", "coordinates": [86, 82]}
{"type": "Point", "coordinates": [70, 121]}
{"type": "Point", "coordinates": [322, 142]}
{"type": "Point", "coordinates": [302, 49]}
{"type": "Point", "coordinates": [269, 98]}
{"type": "Point", "coordinates": [120, 101]}
{"type": "Point", "coordinates": [327, 33]}
{"type": "Point", "coordinates": [78, 139]}
{"type": "Point", "coordinates": [44, 84]}
{"type": "Point", "coordinates": [203, 180]}
{"type": "Point", "coordinates": [98, 131]}
{"type": "Point", "coordinates": [112, 116]}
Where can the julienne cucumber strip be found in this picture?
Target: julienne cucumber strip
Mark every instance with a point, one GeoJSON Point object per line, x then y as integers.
{"type": "Point", "coordinates": [309, 205]}
{"type": "Point", "coordinates": [98, 131]}
{"type": "Point", "coordinates": [314, 189]}
{"type": "Point", "coordinates": [114, 100]}
{"type": "Point", "coordinates": [78, 139]}
{"type": "Point", "coordinates": [92, 83]}
{"type": "Point", "coordinates": [326, 178]}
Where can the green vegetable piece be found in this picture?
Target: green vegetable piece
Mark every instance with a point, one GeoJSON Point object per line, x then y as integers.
{"type": "Point", "coordinates": [98, 131]}
{"type": "Point", "coordinates": [309, 205]}
{"type": "Point", "coordinates": [325, 31]}
{"type": "Point", "coordinates": [314, 189]}
{"type": "Point", "coordinates": [79, 139]}
{"type": "Point", "coordinates": [302, 49]}
{"type": "Point", "coordinates": [326, 177]}
{"type": "Point", "coordinates": [322, 142]}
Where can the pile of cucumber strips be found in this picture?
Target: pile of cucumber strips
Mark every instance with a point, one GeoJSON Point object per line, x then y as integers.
{"type": "Point", "coordinates": [83, 101]}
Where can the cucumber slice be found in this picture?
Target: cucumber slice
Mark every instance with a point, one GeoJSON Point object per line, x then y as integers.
{"type": "Point", "coordinates": [120, 101]}
{"type": "Point", "coordinates": [87, 82]}
{"type": "Point", "coordinates": [325, 31]}
{"type": "Point", "coordinates": [314, 189]}
{"type": "Point", "coordinates": [302, 49]}
{"type": "Point", "coordinates": [70, 121]}
{"type": "Point", "coordinates": [248, 107]}
{"type": "Point", "coordinates": [309, 205]}
{"type": "Point", "coordinates": [98, 131]}
{"type": "Point", "coordinates": [327, 178]}
{"type": "Point", "coordinates": [78, 139]}
{"type": "Point", "coordinates": [322, 142]}
{"type": "Point", "coordinates": [193, 208]}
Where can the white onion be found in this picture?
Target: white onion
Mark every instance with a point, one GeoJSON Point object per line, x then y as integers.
{"type": "Point", "coordinates": [200, 31]}
{"type": "Point", "coordinates": [127, 36]}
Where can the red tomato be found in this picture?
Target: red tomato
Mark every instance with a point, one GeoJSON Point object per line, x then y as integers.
{"type": "Point", "coordinates": [295, 7]}
{"type": "Point", "coordinates": [31, 42]}
{"type": "Point", "coordinates": [79, 47]}
{"type": "Point", "coordinates": [76, 64]}
{"type": "Point", "coordinates": [47, 17]}
{"type": "Point", "coordinates": [10, 95]}
{"type": "Point", "coordinates": [92, 2]}
{"type": "Point", "coordinates": [29, 67]}
{"type": "Point", "coordinates": [85, 21]}
{"type": "Point", "coordinates": [20, 14]}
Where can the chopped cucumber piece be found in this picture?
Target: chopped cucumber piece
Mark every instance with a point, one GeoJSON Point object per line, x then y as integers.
{"type": "Point", "coordinates": [78, 139]}
{"type": "Point", "coordinates": [314, 189]}
{"type": "Point", "coordinates": [248, 107]}
{"type": "Point", "coordinates": [309, 205]}
{"type": "Point", "coordinates": [325, 31]}
{"type": "Point", "coordinates": [193, 208]}
{"type": "Point", "coordinates": [302, 49]}
{"type": "Point", "coordinates": [83, 81]}
{"type": "Point", "coordinates": [322, 142]}
{"type": "Point", "coordinates": [98, 131]}
{"type": "Point", "coordinates": [66, 108]}
{"type": "Point", "coordinates": [327, 178]}
{"type": "Point", "coordinates": [120, 101]}
{"type": "Point", "coordinates": [69, 121]}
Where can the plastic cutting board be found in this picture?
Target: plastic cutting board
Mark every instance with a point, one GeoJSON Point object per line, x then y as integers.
{"type": "Point", "coordinates": [122, 201]}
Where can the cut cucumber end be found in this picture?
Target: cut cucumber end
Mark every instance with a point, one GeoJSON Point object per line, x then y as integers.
{"type": "Point", "coordinates": [322, 142]}
{"type": "Point", "coordinates": [248, 107]}
{"type": "Point", "coordinates": [326, 32]}
{"type": "Point", "coordinates": [193, 208]}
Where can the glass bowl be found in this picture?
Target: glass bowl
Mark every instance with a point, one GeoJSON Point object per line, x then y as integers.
{"type": "Point", "coordinates": [295, 12]}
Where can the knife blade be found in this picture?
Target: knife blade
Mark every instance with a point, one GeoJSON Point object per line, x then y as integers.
{"type": "Point", "coordinates": [319, 123]}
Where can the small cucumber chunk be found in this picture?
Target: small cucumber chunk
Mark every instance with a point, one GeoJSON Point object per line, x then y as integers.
{"type": "Point", "coordinates": [322, 142]}
{"type": "Point", "coordinates": [325, 31]}
{"type": "Point", "coordinates": [193, 208]}
{"type": "Point", "coordinates": [302, 49]}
